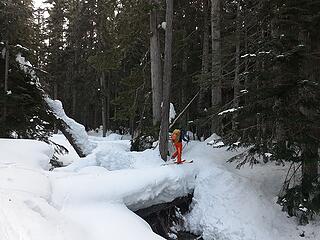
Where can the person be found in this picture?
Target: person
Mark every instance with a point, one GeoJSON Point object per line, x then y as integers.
{"type": "Point", "coordinates": [176, 137]}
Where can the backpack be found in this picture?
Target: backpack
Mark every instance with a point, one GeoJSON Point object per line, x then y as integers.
{"type": "Point", "coordinates": [180, 135]}
{"type": "Point", "coordinates": [183, 136]}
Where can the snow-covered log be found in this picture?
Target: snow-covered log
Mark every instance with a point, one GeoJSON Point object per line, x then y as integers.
{"type": "Point", "coordinates": [73, 131]}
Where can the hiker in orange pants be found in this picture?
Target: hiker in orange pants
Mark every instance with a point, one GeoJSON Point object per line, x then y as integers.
{"type": "Point", "coordinates": [177, 141]}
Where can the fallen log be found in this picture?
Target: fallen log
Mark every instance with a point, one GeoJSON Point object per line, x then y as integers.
{"type": "Point", "coordinates": [73, 131]}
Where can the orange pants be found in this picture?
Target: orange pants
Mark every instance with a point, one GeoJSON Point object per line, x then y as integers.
{"type": "Point", "coordinates": [178, 151]}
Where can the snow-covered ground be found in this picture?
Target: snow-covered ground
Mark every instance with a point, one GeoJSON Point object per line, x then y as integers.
{"type": "Point", "coordinates": [232, 204]}
{"type": "Point", "coordinates": [89, 199]}
{"type": "Point", "coordinates": [92, 198]}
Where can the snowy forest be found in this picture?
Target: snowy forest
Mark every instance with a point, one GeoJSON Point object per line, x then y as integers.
{"type": "Point", "coordinates": [159, 119]}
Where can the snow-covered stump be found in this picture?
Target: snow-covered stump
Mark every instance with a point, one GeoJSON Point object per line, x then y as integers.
{"type": "Point", "coordinates": [73, 131]}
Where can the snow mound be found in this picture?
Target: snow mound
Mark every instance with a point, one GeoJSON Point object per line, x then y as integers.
{"type": "Point", "coordinates": [90, 203]}
{"type": "Point", "coordinates": [232, 204]}
{"type": "Point", "coordinates": [28, 153]}
{"type": "Point", "coordinates": [136, 188]}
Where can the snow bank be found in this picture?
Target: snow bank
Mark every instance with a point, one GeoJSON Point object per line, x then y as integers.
{"type": "Point", "coordinates": [25, 193]}
{"type": "Point", "coordinates": [87, 200]}
{"type": "Point", "coordinates": [133, 178]}
{"type": "Point", "coordinates": [136, 188]}
{"type": "Point", "coordinates": [93, 197]}
{"type": "Point", "coordinates": [28, 153]}
{"type": "Point", "coordinates": [231, 204]}
{"type": "Point", "coordinates": [115, 155]}
{"type": "Point", "coordinates": [76, 130]}
{"type": "Point", "coordinates": [110, 221]}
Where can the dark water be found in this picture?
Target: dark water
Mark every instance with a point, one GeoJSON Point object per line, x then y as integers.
{"type": "Point", "coordinates": [162, 217]}
{"type": "Point", "coordinates": [188, 236]}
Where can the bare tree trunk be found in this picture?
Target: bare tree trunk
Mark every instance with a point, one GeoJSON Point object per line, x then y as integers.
{"type": "Point", "coordinates": [55, 97]}
{"type": "Point", "coordinates": [310, 155]}
{"type": "Point", "coordinates": [236, 83]}
{"type": "Point", "coordinates": [6, 76]}
{"type": "Point", "coordinates": [156, 74]}
{"type": "Point", "coordinates": [74, 102]}
{"type": "Point", "coordinates": [95, 117]}
{"type": "Point", "coordinates": [163, 144]}
{"type": "Point", "coordinates": [310, 162]}
{"type": "Point", "coordinates": [103, 103]}
{"type": "Point", "coordinates": [184, 85]}
{"type": "Point", "coordinates": [205, 55]}
{"type": "Point", "coordinates": [76, 69]}
{"type": "Point", "coordinates": [216, 60]}
{"type": "Point", "coordinates": [108, 92]}
{"type": "Point", "coordinates": [183, 111]}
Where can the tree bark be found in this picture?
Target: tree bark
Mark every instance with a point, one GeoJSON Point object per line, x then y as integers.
{"type": "Point", "coordinates": [63, 127]}
{"type": "Point", "coordinates": [205, 56]}
{"type": "Point", "coordinates": [310, 162]}
{"type": "Point", "coordinates": [216, 90]}
{"type": "Point", "coordinates": [55, 97]}
{"type": "Point", "coordinates": [236, 83]}
{"type": "Point", "coordinates": [156, 74]}
{"type": "Point", "coordinates": [163, 143]}
{"type": "Point", "coordinates": [184, 84]}
{"type": "Point", "coordinates": [74, 102]}
{"type": "Point", "coordinates": [108, 108]}
{"type": "Point", "coordinates": [6, 76]}
{"type": "Point", "coordinates": [103, 104]}
{"type": "Point", "coordinates": [310, 155]}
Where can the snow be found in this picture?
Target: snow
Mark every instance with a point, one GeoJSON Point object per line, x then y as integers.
{"type": "Point", "coordinates": [241, 204]}
{"type": "Point", "coordinates": [244, 91]}
{"type": "Point", "coordinates": [172, 113]}
{"type": "Point", "coordinates": [76, 130]}
{"type": "Point", "coordinates": [93, 197]}
{"type": "Point", "coordinates": [22, 47]}
{"type": "Point", "coordinates": [24, 153]}
{"type": "Point", "coordinates": [229, 111]}
{"type": "Point", "coordinates": [248, 55]}
{"type": "Point", "coordinates": [39, 204]}
{"type": "Point", "coordinates": [265, 52]}
{"type": "Point", "coordinates": [26, 66]}
{"type": "Point", "coordinates": [164, 25]}
{"type": "Point", "coordinates": [3, 53]}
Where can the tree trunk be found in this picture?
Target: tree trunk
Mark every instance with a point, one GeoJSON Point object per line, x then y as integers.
{"type": "Point", "coordinates": [310, 155]}
{"type": "Point", "coordinates": [156, 74]}
{"type": "Point", "coordinates": [205, 56]}
{"type": "Point", "coordinates": [184, 84]}
{"type": "Point", "coordinates": [6, 76]}
{"type": "Point", "coordinates": [74, 102]}
{"type": "Point", "coordinates": [310, 161]}
{"type": "Point", "coordinates": [108, 92]}
{"type": "Point", "coordinates": [216, 90]}
{"type": "Point", "coordinates": [55, 97]}
{"type": "Point", "coordinates": [103, 104]}
{"type": "Point", "coordinates": [163, 144]}
{"type": "Point", "coordinates": [236, 83]}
